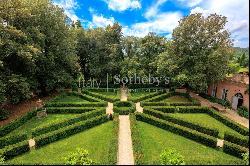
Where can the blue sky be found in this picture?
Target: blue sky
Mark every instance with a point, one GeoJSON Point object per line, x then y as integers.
{"type": "Point", "coordinates": [139, 17]}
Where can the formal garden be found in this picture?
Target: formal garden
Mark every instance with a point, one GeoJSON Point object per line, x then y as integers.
{"type": "Point", "coordinates": [79, 91]}
{"type": "Point", "coordinates": [170, 121]}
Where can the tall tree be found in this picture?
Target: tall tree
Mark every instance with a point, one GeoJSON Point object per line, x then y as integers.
{"type": "Point", "coordinates": [200, 51]}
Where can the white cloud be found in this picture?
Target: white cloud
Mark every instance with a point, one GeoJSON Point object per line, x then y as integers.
{"type": "Point", "coordinates": [162, 23]}
{"type": "Point", "coordinates": [122, 5]}
{"type": "Point", "coordinates": [190, 3]}
{"type": "Point", "coordinates": [153, 10]}
{"type": "Point", "coordinates": [69, 6]}
{"type": "Point", "coordinates": [237, 13]}
{"type": "Point", "coordinates": [100, 21]}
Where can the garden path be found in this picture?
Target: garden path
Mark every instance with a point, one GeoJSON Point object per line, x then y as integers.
{"type": "Point", "coordinates": [125, 150]}
{"type": "Point", "coordinates": [231, 114]}
{"type": "Point", "coordinates": [125, 147]}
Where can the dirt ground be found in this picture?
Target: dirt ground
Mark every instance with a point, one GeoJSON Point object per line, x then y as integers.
{"type": "Point", "coordinates": [18, 110]}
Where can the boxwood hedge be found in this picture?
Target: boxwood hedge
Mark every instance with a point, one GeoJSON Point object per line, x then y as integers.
{"type": "Point", "coordinates": [102, 97]}
{"type": "Point", "coordinates": [15, 150]}
{"type": "Point", "coordinates": [76, 104]}
{"type": "Point", "coordinates": [175, 128]}
{"type": "Point", "coordinates": [69, 130]}
{"type": "Point", "coordinates": [239, 140]}
{"type": "Point", "coordinates": [10, 140]}
{"type": "Point", "coordinates": [69, 110]}
{"type": "Point", "coordinates": [17, 123]}
{"type": "Point", "coordinates": [167, 117]}
{"type": "Point", "coordinates": [55, 126]}
{"type": "Point", "coordinates": [124, 110]}
{"type": "Point", "coordinates": [234, 149]}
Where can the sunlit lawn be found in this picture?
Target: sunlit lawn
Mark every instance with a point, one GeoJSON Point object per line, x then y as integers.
{"type": "Point", "coordinates": [155, 140]}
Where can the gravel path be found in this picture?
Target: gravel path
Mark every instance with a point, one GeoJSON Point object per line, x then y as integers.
{"type": "Point", "coordinates": [138, 107]}
{"type": "Point", "coordinates": [231, 114]}
{"type": "Point", "coordinates": [125, 149]}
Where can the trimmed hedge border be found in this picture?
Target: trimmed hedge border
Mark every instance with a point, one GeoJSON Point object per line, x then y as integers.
{"type": "Point", "coordinates": [124, 104]}
{"type": "Point", "coordinates": [10, 140]}
{"type": "Point", "coordinates": [193, 109]}
{"type": "Point", "coordinates": [239, 140]}
{"type": "Point", "coordinates": [101, 96]}
{"type": "Point", "coordinates": [170, 104]}
{"type": "Point", "coordinates": [164, 116]}
{"type": "Point", "coordinates": [124, 110]}
{"type": "Point", "coordinates": [85, 97]}
{"type": "Point", "coordinates": [76, 104]}
{"type": "Point", "coordinates": [55, 126]}
{"type": "Point", "coordinates": [113, 146]}
{"type": "Point", "coordinates": [69, 130]}
{"type": "Point", "coordinates": [234, 149]}
{"type": "Point", "coordinates": [136, 140]}
{"type": "Point", "coordinates": [14, 150]}
{"type": "Point", "coordinates": [177, 129]}
{"type": "Point", "coordinates": [17, 123]}
{"type": "Point", "coordinates": [69, 110]}
{"type": "Point", "coordinates": [145, 97]}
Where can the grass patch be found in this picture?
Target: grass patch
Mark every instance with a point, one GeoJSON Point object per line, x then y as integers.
{"type": "Point", "coordinates": [155, 140]}
{"type": "Point", "coordinates": [35, 122]}
{"type": "Point", "coordinates": [109, 94]}
{"type": "Point", "coordinates": [206, 120]}
{"type": "Point", "coordinates": [95, 140]}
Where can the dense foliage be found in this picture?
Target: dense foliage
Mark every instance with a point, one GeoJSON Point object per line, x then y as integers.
{"type": "Point", "coordinates": [81, 157]}
{"type": "Point", "coordinates": [171, 157]}
{"type": "Point", "coordinates": [41, 50]}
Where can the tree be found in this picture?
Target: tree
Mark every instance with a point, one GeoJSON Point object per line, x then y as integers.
{"type": "Point", "coordinates": [200, 51]}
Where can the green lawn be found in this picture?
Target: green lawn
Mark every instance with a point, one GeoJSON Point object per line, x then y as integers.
{"type": "Point", "coordinates": [155, 140]}
{"type": "Point", "coordinates": [205, 120]}
{"type": "Point", "coordinates": [35, 122]}
{"type": "Point", "coordinates": [135, 95]}
{"type": "Point", "coordinates": [65, 98]}
{"type": "Point", "coordinates": [176, 99]}
{"type": "Point", "coordinates": [95, 140]}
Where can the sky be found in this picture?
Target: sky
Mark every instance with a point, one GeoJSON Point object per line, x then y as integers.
{"type": "Point", "coordinates": [139, 17]}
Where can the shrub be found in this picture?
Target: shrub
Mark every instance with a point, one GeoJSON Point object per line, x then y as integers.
{"type": "Point", "coordinates": [69, 130]}
{"type": "Point", "coordinates": [17, 89]}
{"type": "Point", "coordinates": [234, 149]}
{"type": "Point", "coordinates": [202, 129]}
{"type": "Point", "coordinates": [10, 140]}
{"type": "Point", "coordinates": [183, 131]}
{"type": "Point", "coordinates": [225, 103]}
{"type": "Point", "coordinates": [245, 157]}
{"type": "Point", "coordinates": [136, 140]}
{"type": "Point", "coordinates": [170, 104]}
{"type": "Point", "coordinates": [124, 110]}
{"type": "Point", "coordinates": [81, 157]}
{"type": "Point", "coordinates": [124, 104]}
{"type": "Point", "coordinates": [146, 96]}
{"type": "Point", "coordinates": [3, 114]}
{"type": "Point", "coordinates": [55, 126]}
{"type": "Point", "coordinates": [84, 96]}
{"type": "Point", "coordinates": [2, 159]}
{"type": "Point", "coordinates": [113, 146]}
{"type": "Point", "coordinates": [76, 104]}
{"type": "Point", "coordinates": [235, 126]}
{"type": "Point", "coordinates": [242, 111]}
{"type": "Point", "coordinates": [17, 123]}
{"type": "Point", "coordinates": [15, 150]}
{"type": "Point", "coordinates": [239, 140]}
{"type": "Point", "coordinates": [171, 157]}
{"type": "Point", "coordinates": [180, 109]}
{"type": "Point", "coordinates": [69, 110]}
{"type": "Point", "coordinates": [102, 97]}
